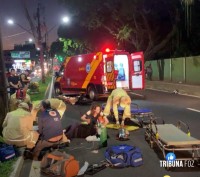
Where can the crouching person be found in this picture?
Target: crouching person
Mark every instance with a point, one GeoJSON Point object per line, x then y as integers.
{"type": "Point", "coordinates": [19, 96]}
{"type": "Point", "coordinates": [118, 97]}
{"type": "Point", "coordinates": [18, 127]}
{"type": "Point", "coordinates": [49, 128]}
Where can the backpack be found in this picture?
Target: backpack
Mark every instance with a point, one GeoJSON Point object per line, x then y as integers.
{"type": "Point", "coordinates": [21, 94]}
{"type": "Point", "coordinates": [7, 152]}
{"type": "Point", "coordinates": [124, 156]}
{"type": "Point", "coordinates": [60, 164]}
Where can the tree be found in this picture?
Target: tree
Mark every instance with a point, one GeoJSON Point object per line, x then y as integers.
{"type": "Point", "coordinates": [3, 88]}
{"type": "Point", "coordinates": [38, 31]}
{"type": "Point", "coordinates": [134, 24]}
{"type": "Point", "coordinates": [187, 39]}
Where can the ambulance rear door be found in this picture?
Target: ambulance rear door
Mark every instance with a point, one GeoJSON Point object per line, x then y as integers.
{"type": "Point", "coordinates": [137, 73]}
{"type": "Point", "coordinates": [109, 72]}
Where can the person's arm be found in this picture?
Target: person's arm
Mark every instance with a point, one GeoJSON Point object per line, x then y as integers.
{"type": "Point", "coordinates": [84, 117]}
{"type": "Point", "coordinates": [13, 85]}
{"type": "Point", "coordinates": [115, 108]}
{"type": "Point", "coordinates": [20, 84]}
{"type": "Point", "coordinates": [40, 124]}
{"type": "Point", "coordinates": [106, 121]}
{"type": "Point", "coordinates": [127, 112]}
{"type": "Point", "coordinates": [5, 122]}
{"type": "Point", "coordinates": [30, 122]}
{"type": "Point", "coordinates": [25, 80]}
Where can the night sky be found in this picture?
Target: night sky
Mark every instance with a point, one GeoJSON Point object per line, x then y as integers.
{"type": "Point", "coordinates": [13, 9]}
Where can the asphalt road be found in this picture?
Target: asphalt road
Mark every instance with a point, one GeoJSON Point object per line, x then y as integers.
{"type": "Point", "coordinates": [167, 106]}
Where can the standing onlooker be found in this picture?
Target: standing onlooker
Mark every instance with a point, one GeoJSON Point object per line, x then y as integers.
{"type": "Point", "coordinates": [13, 82]}
{"type": "Point", "coordinates": [24, 80]}
{"type": "Point", "coordinates": [149, 72]}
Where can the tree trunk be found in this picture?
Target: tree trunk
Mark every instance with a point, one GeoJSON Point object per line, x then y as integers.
{"type": "Point", "coordinates": [161, 66]}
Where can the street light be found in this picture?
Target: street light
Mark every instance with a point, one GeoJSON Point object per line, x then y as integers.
{"type": "Point", "coordinates": [12, 22]}
{"type": "Point", "coordinates": [65, 19]}
{"type": "Point", "coordinates": [30, 40]}
{"type": "Point", "coordinates": [39, 37]}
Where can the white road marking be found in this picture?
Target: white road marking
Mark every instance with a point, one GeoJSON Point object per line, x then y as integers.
{"type": "Point", "coordinates": [136, 94]}
{"type": "Point", "coordinates": [183, 94]}
{"type": "Point", "coordinates": [158, 90]}
{"type": "Point", "coordinates": [191, 109]}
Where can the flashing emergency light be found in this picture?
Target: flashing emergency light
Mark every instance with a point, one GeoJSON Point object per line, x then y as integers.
{"type": "Point", "coordinates": [107, 50]}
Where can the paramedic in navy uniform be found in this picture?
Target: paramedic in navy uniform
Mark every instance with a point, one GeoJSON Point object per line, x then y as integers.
{"type": "Point", "coordinates": [50, 128]}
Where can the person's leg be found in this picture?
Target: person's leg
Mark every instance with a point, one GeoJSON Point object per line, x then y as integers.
{"type": "Point", "coordinates": [70, 130]}
{"type": "Point", "coordinates": [39, 146]}
{"type": "Point", "coordinates": [127, 113]}
{"type": "Point", "coordinates": [108, 106]}
{"type": "Point", "coordinates": [150, 76]}
{"type": "Point", "coordinates": [116, 114]}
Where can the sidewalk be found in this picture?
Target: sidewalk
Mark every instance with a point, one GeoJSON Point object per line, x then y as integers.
{"type": "Point", "coordinates": [183, 89]}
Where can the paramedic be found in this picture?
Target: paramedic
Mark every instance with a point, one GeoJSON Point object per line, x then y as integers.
{"type": "Point", "coordinates": [118, 97]}
{"type": "Point", "coordinates": [50, 128]}
{"type": "Point", "coordinates": [18, 127]}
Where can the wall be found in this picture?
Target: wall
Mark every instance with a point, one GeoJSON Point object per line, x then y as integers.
{"type": "Point", "coordinates": [179, 70]}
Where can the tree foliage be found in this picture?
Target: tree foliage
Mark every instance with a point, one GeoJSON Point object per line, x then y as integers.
{"type": "Point", "coordinates": [151, 26]}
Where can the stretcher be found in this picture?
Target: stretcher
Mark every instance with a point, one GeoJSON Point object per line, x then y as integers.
{"type": "Point", "coordinates": [171, 138]}
{"type": "Point", "coordinates": [141, 116]}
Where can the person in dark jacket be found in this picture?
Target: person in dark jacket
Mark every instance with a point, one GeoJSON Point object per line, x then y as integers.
{"type": "Point", "coordinates": [49, 128]}
{"type": "Point", "coordinates": [13, 82]}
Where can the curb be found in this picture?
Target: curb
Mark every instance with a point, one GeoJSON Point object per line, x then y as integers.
{"type": "Point", "coordinates": [17, 167]}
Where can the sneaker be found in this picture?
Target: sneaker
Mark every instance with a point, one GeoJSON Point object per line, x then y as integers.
{"type": "Point", "coordinates": [122, 123]}
{"type": "Point", "coordinates": [117, 122]}
{"type": "Point", "coordinates": [92, 138]}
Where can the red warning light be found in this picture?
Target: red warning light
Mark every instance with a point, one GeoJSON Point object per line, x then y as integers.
{"type": "Point", "coordinates": [107, 50]}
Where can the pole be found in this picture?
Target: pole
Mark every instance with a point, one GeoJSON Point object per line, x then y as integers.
{"type": "Point", "coordinates": [40, 44]}
{"type": "Point", "coordinates": [3, 88]}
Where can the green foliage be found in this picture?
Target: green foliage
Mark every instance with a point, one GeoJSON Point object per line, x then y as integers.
{"type": "Point", "coordinates": [149, 26]}
{"type": "Point", "coordinates": [124, 33]}
{"type": "Point", "coordinates": [133, 24]}
{"type": "Point", "coordinates": [7, 167]}
{"type": "Point", "coordinates": [1, 139]}
{"type": "Point", "coordinates": [34, 87]}
{"type": "Point", "coordinates": [43, 87]}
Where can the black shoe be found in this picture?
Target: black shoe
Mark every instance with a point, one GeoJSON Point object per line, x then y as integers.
{"type": "Point", "coordinates": [28, 154]}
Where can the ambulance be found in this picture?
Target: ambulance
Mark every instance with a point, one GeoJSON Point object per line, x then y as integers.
{"type": "Point", "coordinates": [97, 74]}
